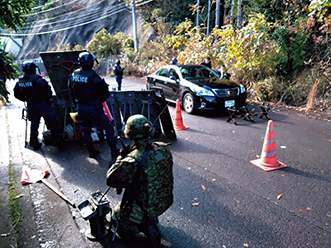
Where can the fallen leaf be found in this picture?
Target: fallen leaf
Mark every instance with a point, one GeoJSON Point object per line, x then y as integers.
{"type": "Point", "coordinates": [214, 180]}
{"type": "Point", "coordinates": [246, 245]}
{"type": "Point", "coordinates": [292, 224]}
{"type": "Point", "coordinates": [195, 204]}
{"type": "Point", "coordinates": [283, 147]}
{"type": "Point", "coordinates": [19, 196]}
{"type": "Point", "coordinates": [203, 187]}
{"type": "Point", "coordinates": [209, 221]}
{"type": "Point", "coordinates": [181, 208]}
{"type": "Point", "coordinates": [329, 215]}
{"type": "Point", "coordinates": [308, 208]}
{"type": "Point", "coordinates": [76, 190]}
{"type": "Point", "coordinates": [300, 210]}
{"type": "Point", "coordinates": [279, 196]}
{"type": "Point", "coordinates": [94, 170]}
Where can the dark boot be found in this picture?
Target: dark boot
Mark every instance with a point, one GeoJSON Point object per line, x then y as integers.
{"type": "Point", "coordinates": [92, 151]}
{"type": "Point", "coordinates": [114, 151]}
{"type": "Point", "coordinates": [154, 236]}
{"type": "Point", "coordinates": [35, 144]}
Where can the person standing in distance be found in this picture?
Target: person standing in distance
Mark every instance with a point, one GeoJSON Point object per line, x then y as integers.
{"type": "Point", "coordinates": [118, 71]}
{"type": "Point", "coordinates": [89, 91]}
{"type": "Point", "coordinates": [145, 171]}
{"type": "Point", "coordinates": [174, 61]}
{"type": "Point", "coordinates": [35, 90]}
{"type": "Point", "coordinates": [206, 62]}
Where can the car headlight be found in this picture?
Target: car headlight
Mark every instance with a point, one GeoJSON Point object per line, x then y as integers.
{"type": "Point", "coordinates": [242, 88]}
{"type": "Point", "coordinates": [203, 92]}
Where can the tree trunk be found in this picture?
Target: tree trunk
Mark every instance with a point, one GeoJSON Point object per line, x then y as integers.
{"type": "Point", "coordinates": [217, 17]}
{"type": "Point", "coordinates": [239, 14]}
{"type": "Point", "coordinates": [232, 12]}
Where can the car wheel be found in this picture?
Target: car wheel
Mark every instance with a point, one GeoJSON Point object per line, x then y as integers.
{"type": "Point", "coordinates": [188, 103]}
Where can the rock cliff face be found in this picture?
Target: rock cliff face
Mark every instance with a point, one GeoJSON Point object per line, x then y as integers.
{"type": "Point", "coordinates": [75, 22]}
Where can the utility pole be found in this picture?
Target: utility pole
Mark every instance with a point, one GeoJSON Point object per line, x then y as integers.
{"type": "Point", "coordinates": [198, 5]}
{"type": "Point", "coordinates": [208, 18]}
{"type": "Point", "coordinates": [217, 17]}
{"type": "Point", "coordinates": [134, 27]}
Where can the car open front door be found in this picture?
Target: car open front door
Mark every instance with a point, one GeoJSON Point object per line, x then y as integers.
{"type": "Point", "coordinates": [171, 86]}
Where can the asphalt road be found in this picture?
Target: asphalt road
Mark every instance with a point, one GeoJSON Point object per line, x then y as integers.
{"type": "Point", "coordinates": [221, 199]}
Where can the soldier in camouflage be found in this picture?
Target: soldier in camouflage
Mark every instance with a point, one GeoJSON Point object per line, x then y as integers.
{"type": "Point", "coordinates": [145, 171]}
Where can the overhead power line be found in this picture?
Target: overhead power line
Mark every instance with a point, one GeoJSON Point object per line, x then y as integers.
{"type": "Point", "coordinates": [88, 21]}
{"type": "Point", "coordinates": [93, 14]}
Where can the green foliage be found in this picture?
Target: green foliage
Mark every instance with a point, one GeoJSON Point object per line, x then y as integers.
{"type": "Point", "coordinates": [11, 16]}
{"type": "Point", "coordinates": [104, 44]}
{"type": "Point", "coordinates": [294, 44]}
{"type": "Point", "coordinates": [12, 13]}
{"type": "Point", "coordinates": [9, 70]}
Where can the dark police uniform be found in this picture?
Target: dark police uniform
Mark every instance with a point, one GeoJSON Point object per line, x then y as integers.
{"type": "Point", "coordinates": [118, 71]}
{"type": "Point", "coordinates": [89, 92]}
{"type": "Point", "coordinates": [35, 90]}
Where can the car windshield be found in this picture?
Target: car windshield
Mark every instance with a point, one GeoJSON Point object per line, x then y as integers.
{"type": "Point", "coordinates": [190, 72]}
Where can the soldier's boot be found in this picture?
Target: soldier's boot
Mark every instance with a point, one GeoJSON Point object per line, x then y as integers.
{"type": "Point", "coordinates": [114, 151]}
{"type": "Point", "coordinates": [92, 151]}
{"type": "Point", "coordinates": [154, 235]}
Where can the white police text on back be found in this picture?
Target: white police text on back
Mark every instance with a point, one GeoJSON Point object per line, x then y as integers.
{"type": "Point", "coordinates": [79, 79]}
{"type": "Point", "coordinates": [25, 84]}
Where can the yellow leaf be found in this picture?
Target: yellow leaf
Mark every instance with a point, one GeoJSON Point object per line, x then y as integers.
{"type": "Point", "coordinates": [246, 245]}
{"type": "Point", "coordinates": [329, 215]}
{"type": "Point", "coordinates": [279, 196]}
{"type": "Point", "coordinates": [94, 170]}
{"type": "Point", "coordinates": [308, 208]}
{"type": "Point", "coordinates": [203, 187]}
{"type": "Point", "coordinates": [195, 204]}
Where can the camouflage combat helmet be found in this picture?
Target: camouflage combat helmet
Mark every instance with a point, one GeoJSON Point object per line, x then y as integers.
{"type": "Point", "coordinates": [137, 127]}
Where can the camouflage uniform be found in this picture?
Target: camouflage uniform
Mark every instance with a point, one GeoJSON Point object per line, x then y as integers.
{"type": "Point", "coordinates": [148, 194]}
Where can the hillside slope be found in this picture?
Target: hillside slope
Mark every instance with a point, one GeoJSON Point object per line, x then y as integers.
{"type": "Point", "coordinates": [75, 22]}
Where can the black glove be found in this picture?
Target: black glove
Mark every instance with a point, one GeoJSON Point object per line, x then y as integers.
{"type": "Point", "coordinates": [125, 150]}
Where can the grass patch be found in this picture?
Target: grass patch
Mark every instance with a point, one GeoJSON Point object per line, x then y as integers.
{"type": "Point", "coordinates": [13, 195]}
{"type": "Point", "coordinates": [14, 204]}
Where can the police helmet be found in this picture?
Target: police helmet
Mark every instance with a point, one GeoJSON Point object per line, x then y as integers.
{"type": "Point", "coordinates": [174, 61]}
{"type": "Point", "coordinates": [86, 60]}
{"type": "Point", "coordinates": [29, 67]}
{"type": "Point", "coordinates": [118, 62]}
{"type": "Point", "coordinates": [137, 127]}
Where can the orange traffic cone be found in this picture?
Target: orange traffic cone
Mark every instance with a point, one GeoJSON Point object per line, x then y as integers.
{"type": "Point", "coordinates": [178, 118]}
{"type": "Point", "coordinates": [268, 160]}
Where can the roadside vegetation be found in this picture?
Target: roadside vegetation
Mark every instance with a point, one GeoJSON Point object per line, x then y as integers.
{"type": "Point", "coordinates": [280, 50]}
{"type": "Point", "coordinates": [284, 60]}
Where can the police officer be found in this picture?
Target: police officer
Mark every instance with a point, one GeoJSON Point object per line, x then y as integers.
{"type": "Point", "coordinates": [89, 91]}
{"type": "Point", "coordinates": [35, 90]}
{"type": "Point", "coordinates": [145, 171]}
{"type": "Point", "coordinates": [118, 71]}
